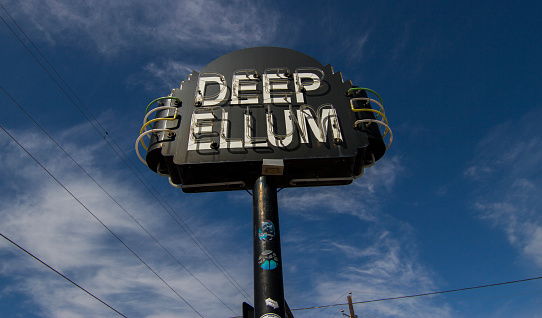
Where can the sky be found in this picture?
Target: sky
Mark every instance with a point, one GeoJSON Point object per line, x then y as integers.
{"type": "Point", "coordinates": [454, 203]}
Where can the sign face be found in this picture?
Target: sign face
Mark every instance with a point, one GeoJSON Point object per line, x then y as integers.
{"type": "Point", "coordinates": [263, 110]}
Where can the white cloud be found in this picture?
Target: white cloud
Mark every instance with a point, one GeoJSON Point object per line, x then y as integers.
{"type": "Point", "coordinates": [112, 26]}
{"type": "Point", "coordinates": [388, 266]}
{"type": "Point", "coordinates": [357, 48]}
{"type": "Point", "coordinates": [509, 158]}
{"type": "Point", "coordinates": [378, 257]}
{"type": "Point", "coordinates": [170, 73]}
{"type": "Point", "coordinates": [362, 198]}
{"type": "Point", "coordinates": [167, 74]}
{"type": "Point", "coordinates": [44, 219]}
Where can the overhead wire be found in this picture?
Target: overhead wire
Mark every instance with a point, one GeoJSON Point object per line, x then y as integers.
{"type": "Point", "coordinates": [98, 219]}
{"type": "Point", "coordinates": [45, 69]}
{"type": "Point", "coordinates": [393, 298]}
{"type": "Point", "coordinates": [62, 275]}
{"type": "Point", "coordinates": [424, 294]}
{"type": "Point", "coordinates": [478, 298]}
{"type": "Point", "coordinates": [112, 198]}
{"type": "Point", "coordinates": [324, 308]}
{"type": "Point", "coordinates": [208, 254]}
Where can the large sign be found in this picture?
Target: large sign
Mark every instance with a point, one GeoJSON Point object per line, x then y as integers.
{"type": "Point", "coordinates": [263, 111]}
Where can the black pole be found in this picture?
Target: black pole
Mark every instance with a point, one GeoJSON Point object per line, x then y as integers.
{"type": "Point", "coordinates": [268, 284]}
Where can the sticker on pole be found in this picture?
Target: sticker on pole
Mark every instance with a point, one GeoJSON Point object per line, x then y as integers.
{"type": "Point", "coordinates": [270, 316]}
{"type": "Point", "coordinates": [268, 260]}
{"type": "Point", "coordinates": [272, 303]}
{"type": "Point", "coordinates": [267, 231]}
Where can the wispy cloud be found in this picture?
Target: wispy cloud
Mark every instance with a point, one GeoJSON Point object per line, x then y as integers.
{"type": "Point", "coordinates": [43, 218]}
{"type": "Point", "coordinates": [357, 49]}
{"type": "Point", "coordinates": [374, 265]}
{"type": "Point", "coordinates": [361, 199]}
{"type": "Point", "coordinates": [379, 257]}
{"type": "Point", "coordinates": [112, 26]}
{"type": "Point", "coordinates": [163, 75]}
{"type": "Point", "coordinates": [509, 157]}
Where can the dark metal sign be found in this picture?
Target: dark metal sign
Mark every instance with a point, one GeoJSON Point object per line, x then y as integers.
{"type": "Point", "coordinates": [263, 111]}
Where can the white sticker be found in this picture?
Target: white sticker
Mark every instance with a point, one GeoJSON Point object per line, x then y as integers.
{"type": "Point", "coordinates": [270, 316]}
{"type": "Point", "coordinates": [271, 303]}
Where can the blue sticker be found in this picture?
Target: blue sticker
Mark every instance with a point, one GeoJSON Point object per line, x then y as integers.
{"type": "Point", "coordinates": [268, 260]}
{"type": "Point", "coordinates": [267, 231]}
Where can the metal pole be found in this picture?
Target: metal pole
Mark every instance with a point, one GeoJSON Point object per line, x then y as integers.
{"type": "Point", "coordinates": [268, 284]}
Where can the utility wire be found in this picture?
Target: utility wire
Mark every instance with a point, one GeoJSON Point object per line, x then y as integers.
{"type": "Point", "coordinates": [482, 298]}
{"type": "Point", "coordinates": [209, 255]}
{"type": "Point", "coordinates": [425, 294]}
{"type": "Point", "coordinates": [62, 275]}
{"type": "Point", "coordinates": [111, 197]}
{"type": "Point", "coordinates": [460, 298]}
{"type": "Point", "coordinates": [98, 219]}
{"type": "Point", "coordinates": [428, 294]}
{"type": "Point", "coordinates": [319, 312]}
{"type": "Point", "coordinates": [54, 70]}
{"type": "Point", "coordinates": [46, 71]}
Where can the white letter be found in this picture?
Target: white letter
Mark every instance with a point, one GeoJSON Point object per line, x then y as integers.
{"type": "Point", "coordinates": [300, 87]}
{"type": "Point", "coordinates": [251, 141]}
{"type": "Point", "coordinates": [319, 126]}
{"type": "Point", "coordinates": [225, 141]}
{"type": "Point", "coordinates": [204, 80]}
{"type": "Point", "coordinates": [243, 82]}
{"type": "Point", "coordinates": [276, 81]}
{"type": "Point", "coordinates": [201, 124]}
{"type": "Point", "coordinates": [280, 140]}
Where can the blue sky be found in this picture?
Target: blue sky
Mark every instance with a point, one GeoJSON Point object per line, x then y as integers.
{"type": "Point", "coordinates": [454, 203]}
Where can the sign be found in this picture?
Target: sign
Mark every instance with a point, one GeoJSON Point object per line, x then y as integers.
{"type": "Point", "coordinates": [263, 111]}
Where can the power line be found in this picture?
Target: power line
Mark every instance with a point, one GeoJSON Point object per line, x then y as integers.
{"type": "Point", "coordinates": [429, 294]}
{"type": "Point", "coordinates": [205, 250]}
{"type": "Point", "coordinates": [330, 304]}
{"type": "Point", "coordinates": [425, 294]}
{"type": "Point", "coordinates": [462, 298]}
{"type": "Point", "coordinates": [210, 255]}
{"type": "Point", "coordinates": [43, 67]}
{"type": "Point", "coordinates": [98, 219]}
{"type": "Point", "coordinates": [111, 197]}
{"type": "Point", "coordinates": [62, 275]}
{"type": "Point", "coordinates": [54, 70]}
